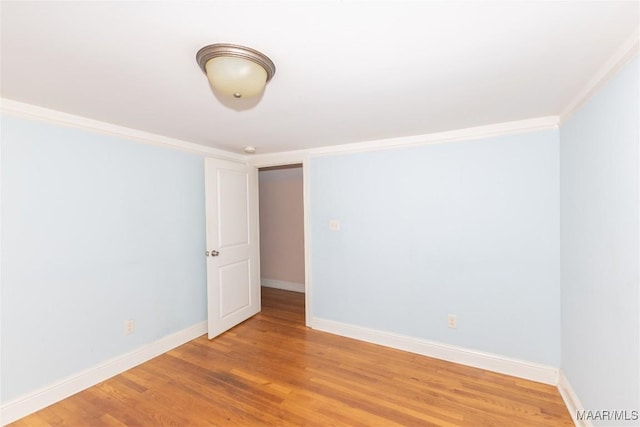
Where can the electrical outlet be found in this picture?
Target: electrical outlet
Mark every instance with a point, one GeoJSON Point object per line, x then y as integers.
{"type": "Point", "coordinates": [452, 321]}
{"type": "Point", "coordinates": [129, 327]}
{"type": "Point", "coordinates": [334, 225]}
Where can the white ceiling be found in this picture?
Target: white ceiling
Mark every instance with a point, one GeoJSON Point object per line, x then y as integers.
{"type": "Point", "coordinates": [347, 71]}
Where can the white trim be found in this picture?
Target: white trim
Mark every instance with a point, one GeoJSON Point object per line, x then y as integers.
{"type": "Point", "coordinates": [477, 359]}
{"type": "Point", "coordinates": [277, 159]}
{"type": "Point", "coordinates": [281, 284]}
{"type": "Point", "coordinates": [571, 400]}
{"type": "Point", "coordinates": [273, 159]}
{"type": "Point", "coordinates": [34, 401]}
{"type": "Point", "coordinates": [1, 275]}
{"type": "Point", "coordinates": [478, 132]}
{"type": "Point", "coordinates": [70, 120]}
{"type": "Point", "coordinates": [306, 201]}
{"type": "Point", "coordinates": [620, 57]}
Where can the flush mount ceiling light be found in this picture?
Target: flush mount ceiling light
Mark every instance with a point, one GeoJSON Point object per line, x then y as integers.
{"type": "Point", "coordinates": [235, 71]}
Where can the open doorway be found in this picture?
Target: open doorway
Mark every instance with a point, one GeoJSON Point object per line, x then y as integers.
{"type": "Point", "coordinates": [281, 206]}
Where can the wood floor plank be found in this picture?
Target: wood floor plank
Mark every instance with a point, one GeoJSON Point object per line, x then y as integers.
{"type": "Point", "coordinates": [272, 370]}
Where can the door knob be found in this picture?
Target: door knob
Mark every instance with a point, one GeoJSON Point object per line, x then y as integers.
{"type": "Point", "coordinates": [215, 253]}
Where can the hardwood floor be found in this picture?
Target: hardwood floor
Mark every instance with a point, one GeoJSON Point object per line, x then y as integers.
{"type": "Point", "coordinates": [272, 370]}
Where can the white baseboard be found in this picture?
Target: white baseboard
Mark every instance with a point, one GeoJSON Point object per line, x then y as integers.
{"type": "Point", "coordinates": [281, 284]}
{"type": "Point", "coordinates": [477, 359]}
{"type": "Point", "coordinates": [32, 402]}
{"type": "Point", "coordinates": [571, 401]}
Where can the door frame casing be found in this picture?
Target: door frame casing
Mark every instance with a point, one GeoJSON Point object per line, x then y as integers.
{"type": "Point", "coordinates": [303, 159]}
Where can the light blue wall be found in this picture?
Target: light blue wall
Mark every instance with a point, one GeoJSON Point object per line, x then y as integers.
{"type": "Point", "coordinates": [467, 228]}
{"type": "Point", "coordinates": [600, 246]}
{"type": "Point", "coordinates": [95, 230]}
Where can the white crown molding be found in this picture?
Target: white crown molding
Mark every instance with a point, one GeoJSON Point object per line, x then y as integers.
{"type": "Point", "coordinates": [571, 401]}
{"type": "Point", "coordinates": [34, 401]}
{"type": "Point", "coordinates": [277, 159]}
{"type": "Point", "coordinates": [477, 132]}
{"type": "Point", "coordinates": [273, 159]}
{"type": "Point", "coordinates": [281, 284]}
{"type": "Point", "coordinates": [477, 359]}
{"type": "Point", "coordinates": [29, 111]}
{"type": "Point", "coordinates": [625, 52]}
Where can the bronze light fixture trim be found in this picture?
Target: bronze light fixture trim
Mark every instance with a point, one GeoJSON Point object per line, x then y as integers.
{"type": "Point", "coordinates": [232, 69]}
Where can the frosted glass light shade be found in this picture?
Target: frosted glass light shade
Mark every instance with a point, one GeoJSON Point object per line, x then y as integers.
{"type": "Point", "coordinates": [235, 71]}
{"type": "Point", "coordinates": [236, 77]}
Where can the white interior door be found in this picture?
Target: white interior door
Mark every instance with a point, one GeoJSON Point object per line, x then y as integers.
{"type": "Point", "coordinates": [233, 249]}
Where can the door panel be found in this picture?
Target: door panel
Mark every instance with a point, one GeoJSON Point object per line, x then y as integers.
{"type": "Point", "coordinates": [235, 284]}
{"type": "Point", "coordinates": [233, 188]}
{"type": "Point", "coordinates": [233, 263]}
